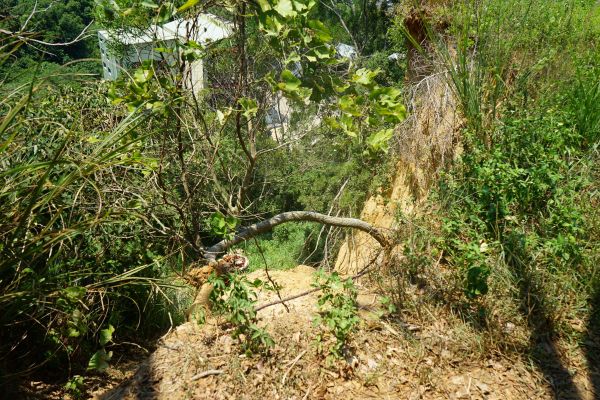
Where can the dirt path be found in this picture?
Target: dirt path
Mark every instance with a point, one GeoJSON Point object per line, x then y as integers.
{"type": "Point", "coordinates": [396, 360]}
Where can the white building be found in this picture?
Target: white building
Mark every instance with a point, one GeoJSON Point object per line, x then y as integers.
{"type": "Point", "coordinates": [150, 44]}
{"type": "Point", "coordinates": [344, 50]}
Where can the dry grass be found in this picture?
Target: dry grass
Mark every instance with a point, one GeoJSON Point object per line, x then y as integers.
{"type": "Point", "coordinates": [393, 359]}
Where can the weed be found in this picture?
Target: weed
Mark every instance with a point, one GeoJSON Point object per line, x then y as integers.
{"type": "Point", "coordinates": [338, 311]}
{"type": "Point", "coordinates": [101, 358]}
{"type": "Point", "coordinates": [233, 295]}
{"type": "Point", "coordinates": [76, 386]}
{"type": "Point", "coordinates": [282, 248]}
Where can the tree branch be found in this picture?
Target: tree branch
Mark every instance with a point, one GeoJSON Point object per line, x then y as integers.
{"type": "Point", "coordinates": [294, 216]}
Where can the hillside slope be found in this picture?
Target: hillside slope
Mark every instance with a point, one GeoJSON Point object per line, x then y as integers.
{"type": "Point", "coordinates": [390, 359]}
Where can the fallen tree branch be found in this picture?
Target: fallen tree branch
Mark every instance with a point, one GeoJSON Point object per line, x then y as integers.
{"type": "Point", "coordinates": [294, 216]}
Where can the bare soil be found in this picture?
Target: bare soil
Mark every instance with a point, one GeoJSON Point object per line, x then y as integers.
{"type": "Point", "coordinates": [390, 359]}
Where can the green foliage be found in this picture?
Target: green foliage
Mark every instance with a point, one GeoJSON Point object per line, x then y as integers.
{"type": "Point", "coordinates": [389, 306]}
{"type": "Point", "coordinates": [283, 248]}
{"type": "Point", "coordinates": [144, 91]}
{"type": "Point", "coordinates": [102, 201]}
{"type": "Point", "coordinates": [338, 311]}
{"type": "Point", "coordinates": [519, 173]}
{"type": "Point", "coordinates": [221, 225]}
{"type": "Point", "coordinates": [392, 64]}
{"type": "Point", "coordinates": [365, 108]}
{"type": "Point", "coordinates": [524, 181]}
{"type": "Point", "coordinates": [511, 49]}
{"type": "Point", "coordinates": [72, 254]}
{"type": "Point", "coordinates": [367, 22]}
{"type": "Point", "coordinates": [583, 99]}
{"type": "Point", "coordinates": [514, 212]}
{"type": "Point", "coordinates": [135, 15]}
{"type": "Point", "coordinates": [101, 358]}
{"type": "Point", "coordinates": [75, 386]}
{"type": "Point", "coordinates": [52, 22]}
{"type": "Point", "coordinates": [233, 295]}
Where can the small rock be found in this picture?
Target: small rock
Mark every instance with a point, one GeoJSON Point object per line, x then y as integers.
{"type": "Point", "coordinates": [485, 389]}
{"type": "Point", "coordinates": [457, 380]}
{"type": "Point", "coordinates": [225, 343]}
{"type": "Point", "coordinates": [462, 394]}
{"type": "Point", "coordinates": [372, 364]}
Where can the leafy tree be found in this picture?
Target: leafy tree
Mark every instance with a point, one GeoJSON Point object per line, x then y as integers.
{"type": "Point", "coordinates": [361, 23]}
{"type": "Point", "coordinates": [99, 203]}
{"type": "Point", "coordinates": [51, 22]}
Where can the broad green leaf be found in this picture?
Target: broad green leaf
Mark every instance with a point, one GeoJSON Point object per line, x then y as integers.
{"type": "Point", "coordinates": [249, 107]}
{"type": "Point", "coordinates": [322, 52]}
{"type": "Point", "coordinates": [142, 75]}
{"type": "Point", "coordinates": [385, 95]}
{"type": "Point", "coordinates": [365, 76]}
{"type": "Point", "coordinates": [340, 88]}
{"type": "Point", "coordinates": [106, 335]}
{"type": "Point", "coordinates": [231, 221]}
{"type": "Point", "coordinates": [348, 105]}
{"type": "Point", "coordinates": [395, 113]}
{"type": "Point", "coordinates": [221, 225]}
{"type": "Point", "coordinates": [73, 332]}
{"type": "Point", "coordinates": [318, 53]}
{"type": "Point", "coordinates": [99, 360]}
{"type": "Point", "coordinates": [271, 24]}
{"type": "Point", "coordinates": [378, 142]}
{"type": "Point", "coordinates": [264, 5]}
{"type": "Point", "coordinates": [285, 8]}
{"type": "Point", "coordinates": [188, 4]}
{"type": "Point", "coordinates": [348, 125]}
{"type": "Point", "coordinates": [320, 30]}
{"type": "Point", "coordinates": [289, 81]}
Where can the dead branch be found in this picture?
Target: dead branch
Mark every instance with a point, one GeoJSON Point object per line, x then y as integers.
{"type": "Point", "coordinates": [294, 216]}
{"type": "Point", "coordinates": [205, 374]}
{"type": "Point", "coordinates": [23, 36]}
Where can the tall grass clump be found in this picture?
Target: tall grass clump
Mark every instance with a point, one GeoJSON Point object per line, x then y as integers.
{"type": "Point", "coordinates": [73, 254]}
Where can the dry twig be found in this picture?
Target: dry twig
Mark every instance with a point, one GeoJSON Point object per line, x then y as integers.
{"type": "Point", "coordinates": [205, 374]}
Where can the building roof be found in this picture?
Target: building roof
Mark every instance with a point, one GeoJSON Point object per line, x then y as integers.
{"type": "Point", "coordinates": [202, 29]}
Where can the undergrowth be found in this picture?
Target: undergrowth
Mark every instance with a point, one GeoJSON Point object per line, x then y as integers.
{"type": "Point", "coordinates": [337, 313]}
{"type": "Point", "coordinates": [234, 296]}
{"type": "Point", "coordinates": [509, 241]}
